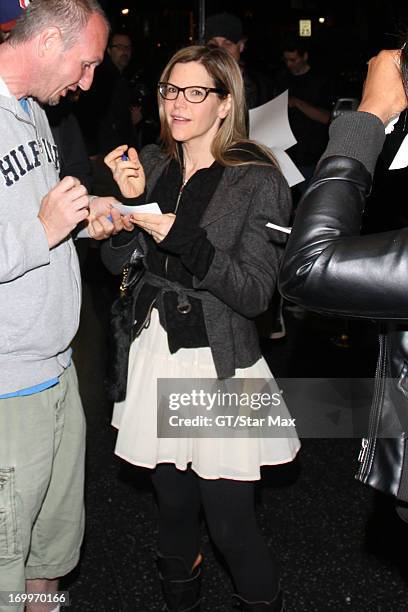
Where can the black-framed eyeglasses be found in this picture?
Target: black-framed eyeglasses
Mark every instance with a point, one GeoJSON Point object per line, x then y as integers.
{"type": "Point", "coordinates": [193, 93]}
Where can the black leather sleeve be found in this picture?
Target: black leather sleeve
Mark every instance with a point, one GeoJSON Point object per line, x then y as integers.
{"type": "Point", "coordinates": [328, 266]}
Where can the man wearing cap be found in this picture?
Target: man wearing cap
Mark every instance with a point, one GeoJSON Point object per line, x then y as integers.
{"type": "Point", "coordinates": [225, 30]}
{"type": "Point", "coordinates": [53, 48]}
{"type": "Point", "coordinates": [10, 11]}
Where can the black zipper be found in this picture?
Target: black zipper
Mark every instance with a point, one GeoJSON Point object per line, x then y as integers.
{"type": "Point", "coordinates": [146, 322]}
{"type": "Point", "coordinates": [147, 318]}
{"type": "Point", "coordinates": [368, 444]}
{"type": "Point", "coordinates": [183, 184]}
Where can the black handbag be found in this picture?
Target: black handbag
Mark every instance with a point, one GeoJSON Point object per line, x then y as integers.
{"type": "Point", "coordinates": [121, 323]}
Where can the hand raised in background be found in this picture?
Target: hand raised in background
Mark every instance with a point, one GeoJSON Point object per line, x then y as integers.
{"type": "Point", "coordinates": [384, 93]}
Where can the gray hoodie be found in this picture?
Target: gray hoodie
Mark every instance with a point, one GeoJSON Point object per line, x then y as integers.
{"type": "Point", "coordinates": [40, 291]}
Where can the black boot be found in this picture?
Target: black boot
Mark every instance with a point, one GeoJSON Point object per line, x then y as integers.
{"type": "Point", "coordinates": [276, 605]}
{"type": "Point", "coordinates": [181, 587]}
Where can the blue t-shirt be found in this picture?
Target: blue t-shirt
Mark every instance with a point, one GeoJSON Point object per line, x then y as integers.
{"type": "Point", "coordinates": [31, 390]}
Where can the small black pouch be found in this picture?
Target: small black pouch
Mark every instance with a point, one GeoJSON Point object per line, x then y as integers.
{"type": "Point", "coordinates": [121, 324]}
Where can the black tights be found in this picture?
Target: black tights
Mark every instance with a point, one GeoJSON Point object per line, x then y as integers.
{"type": "Point", "coordinates": [229, 507]}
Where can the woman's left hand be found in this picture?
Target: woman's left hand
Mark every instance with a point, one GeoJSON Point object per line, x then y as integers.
{"type": "Point", "coordinates": [158, 226]}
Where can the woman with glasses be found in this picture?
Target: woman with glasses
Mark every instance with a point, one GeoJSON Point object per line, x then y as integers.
{"type": "Point", "coordinates": [210, 267]}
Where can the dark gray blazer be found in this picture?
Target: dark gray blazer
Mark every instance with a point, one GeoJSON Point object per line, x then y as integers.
{"type": "Point", "coordinates": [243, 273]}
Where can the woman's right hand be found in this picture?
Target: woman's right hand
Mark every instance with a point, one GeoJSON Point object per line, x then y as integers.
{"type": "Point", "coordinates": [384, 93]}
{"type": "Point", "coordinates": [128, 174]}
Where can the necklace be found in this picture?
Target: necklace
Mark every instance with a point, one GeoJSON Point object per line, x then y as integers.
{"type": "Point", "coordinates": [183, 178]}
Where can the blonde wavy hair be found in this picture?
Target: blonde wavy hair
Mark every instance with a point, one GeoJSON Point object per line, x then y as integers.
{"type": "Point", "coordinates": [231, 139]}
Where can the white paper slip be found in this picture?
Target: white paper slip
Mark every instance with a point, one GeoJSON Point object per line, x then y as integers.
{"type": "Point", "coordinates": [269, 124]}
{"type": "Point", "coordinates": [280, 228]}
{"type": "Point", "coordinates": [291, 173]}
{"type": "Point", "coordinates": [152, 208]}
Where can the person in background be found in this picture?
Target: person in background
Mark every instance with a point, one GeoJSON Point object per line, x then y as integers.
{"type": "Point", "coordinates": [67, 134]}
{"type": "Point", "coordinates": [54, 47]}
{"type": "Point", "coordinates": [210, 267]}
{"type": "Point", "coordinates": [104, 112]}
{"type": "Point", "coordinates": [10, 11]}
{"type": "Point", "coordinates": [225, 30]}
{"type": "Point", "coordinates": [309, 105]}
{"type": "Point", "coordinates": [309, 102]}
{"type": "Point", "coordinates": [146, 127]}
{"type": "Point", "coordinates": [104, 117]}
{"type": "Point", "coordinates": [120, 50]}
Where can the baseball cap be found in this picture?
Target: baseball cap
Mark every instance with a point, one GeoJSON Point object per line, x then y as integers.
{"type": "Point", "coordinates": [225, 25]}
{"type": "Point", "coordinates": [10, 11]}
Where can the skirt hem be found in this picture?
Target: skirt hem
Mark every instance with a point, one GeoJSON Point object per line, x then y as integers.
{"type": "Point", "coordinates": [138, 463]}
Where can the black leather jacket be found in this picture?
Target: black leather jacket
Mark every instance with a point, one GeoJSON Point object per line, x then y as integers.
{"type": "Point", "coordinates": [329, 267]}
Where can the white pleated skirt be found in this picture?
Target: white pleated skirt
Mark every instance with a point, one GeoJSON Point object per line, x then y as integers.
{"type": "Point", "coordinates": [215, 457]}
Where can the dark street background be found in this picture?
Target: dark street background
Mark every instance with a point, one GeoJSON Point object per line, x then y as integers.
{"type": "Point", "coordinates": [352, 32]}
